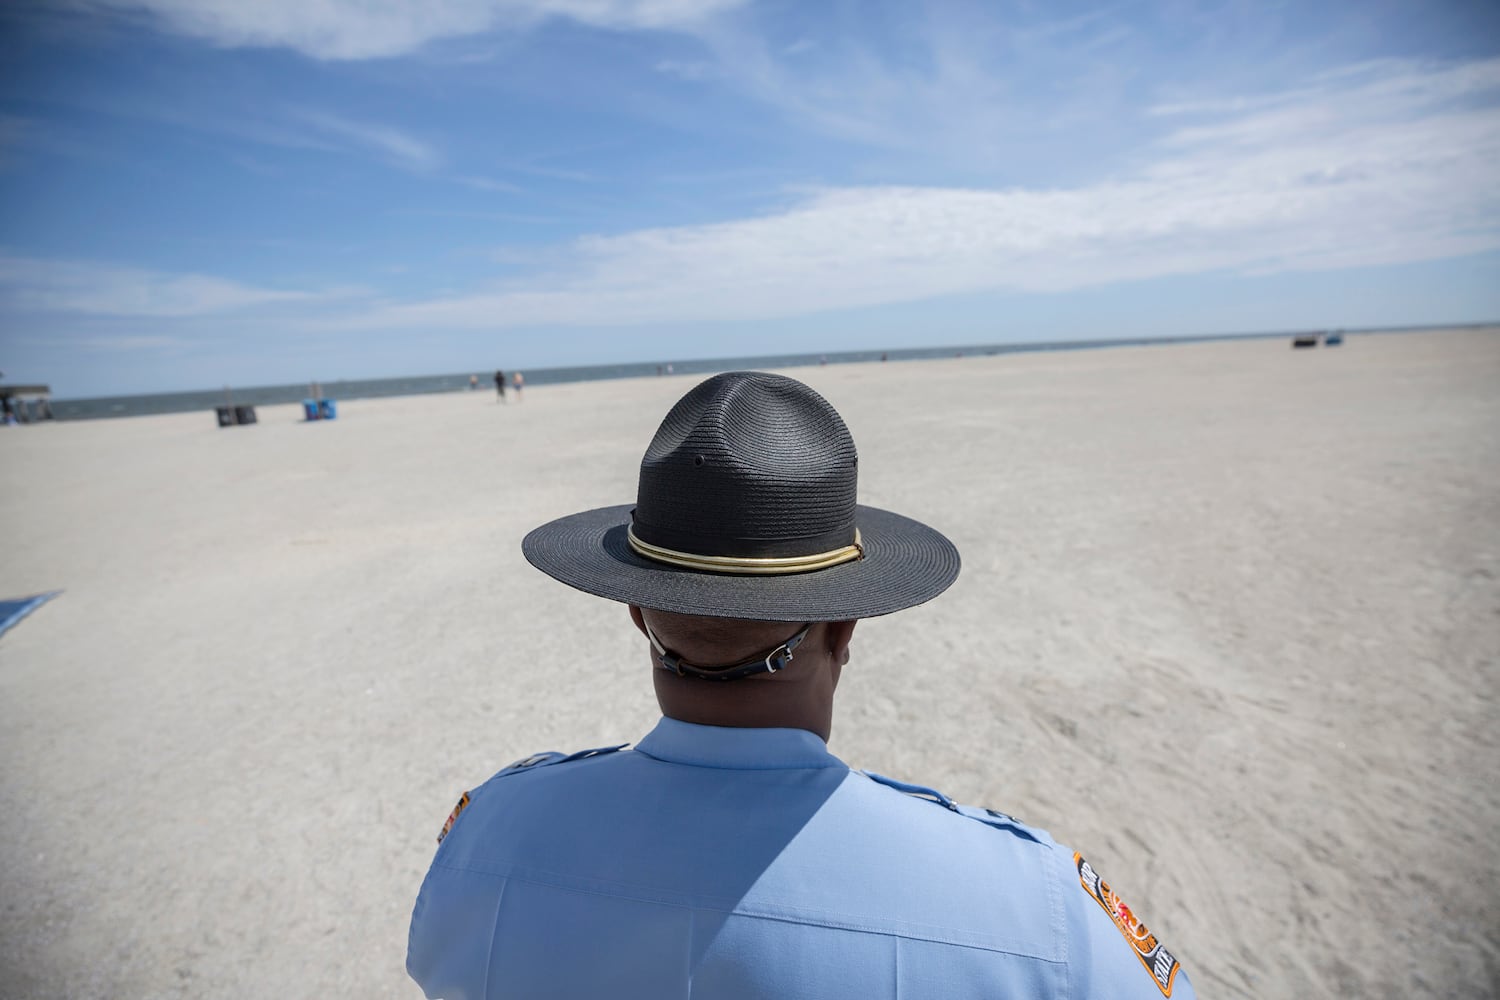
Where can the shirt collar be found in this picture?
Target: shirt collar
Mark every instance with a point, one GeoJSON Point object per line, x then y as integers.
{"type": "Point", "coordinates": [743, 749]}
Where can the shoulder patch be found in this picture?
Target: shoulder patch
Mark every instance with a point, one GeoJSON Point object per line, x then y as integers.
{"type": "Point", "coordinates": [463, 803]}
{"type": "Point", "coordinates": [1159, 962]}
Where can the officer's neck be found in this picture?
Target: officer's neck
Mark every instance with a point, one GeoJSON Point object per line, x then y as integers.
{"type": "Point", "coordinates": [761, 702]}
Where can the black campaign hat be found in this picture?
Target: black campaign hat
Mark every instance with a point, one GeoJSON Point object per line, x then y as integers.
{"type": "Point", "coordinates": [746, 509]}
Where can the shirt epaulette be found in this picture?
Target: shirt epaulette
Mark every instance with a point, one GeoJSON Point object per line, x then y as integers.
{"type": "Point", "coordinates": [920, 791]}
{"type": "Point", "coordinates": [989, 817]}
{"type": "Point", "coordinates": [1000, 821]}
{"type": "Point", "coordinates": [550, 757]}
{"type": "Point", "coordinates": [544, 759]}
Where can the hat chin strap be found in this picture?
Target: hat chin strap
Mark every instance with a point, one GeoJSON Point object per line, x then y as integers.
{"type": "Point", "coordinates": [775, 660]}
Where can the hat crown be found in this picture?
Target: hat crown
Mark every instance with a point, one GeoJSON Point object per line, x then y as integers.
{"type": "Point", "coordinates": [749, 464]}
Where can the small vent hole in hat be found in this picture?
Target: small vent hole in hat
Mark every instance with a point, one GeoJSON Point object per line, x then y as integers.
{"type": "Point", "coordinates": [697, 459]}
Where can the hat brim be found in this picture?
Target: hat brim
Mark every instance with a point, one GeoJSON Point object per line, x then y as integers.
{"type": "Point", "coordinates": [905, 564]}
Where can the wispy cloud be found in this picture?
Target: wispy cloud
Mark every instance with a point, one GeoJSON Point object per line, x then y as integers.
{"type": "Point", "coordinates": [29, 285]}
{"type": "Point", "coordinates": [390, 143]}
{"type": "Point", "coordinates": [537, 168]}
{"type": "Point", "coordinates": [958, 82]}
{"type": "Point", "coordinates": [351, 29]}
{"type": "Point", "coordinates": [1391, 164]}
{"type": "Point", "coordinates": [1386, 163]}
{"type": "Point", "coordinates": [490, 184]}
{"type": "Point", "coordinates": [272, 126]}
{"type": "Point", "coordinates": [1366, 93]}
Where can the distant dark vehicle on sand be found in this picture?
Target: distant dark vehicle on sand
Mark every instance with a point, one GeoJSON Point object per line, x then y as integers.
{"type": "Point", "coordinates": [1333, 339]}
{"type": "Point", "coordinates": [1305, 340]}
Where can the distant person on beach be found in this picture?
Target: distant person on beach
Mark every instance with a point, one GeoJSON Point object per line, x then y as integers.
{"type": "Point", "coordinates": [473, 382]}
{"type": "Point", "coordinates": [518, 381]}
{"type": "Point", "coordinates": [729, 854]}
{"type": "Point", "coordinates": [500, 384]}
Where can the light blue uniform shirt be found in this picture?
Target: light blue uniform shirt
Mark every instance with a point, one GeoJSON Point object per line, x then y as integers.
{"type": "Point", "coordinates": [722, 864]}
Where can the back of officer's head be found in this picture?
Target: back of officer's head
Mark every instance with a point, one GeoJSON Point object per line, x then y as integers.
{"type": "Point", "coordinates": [800, 696]}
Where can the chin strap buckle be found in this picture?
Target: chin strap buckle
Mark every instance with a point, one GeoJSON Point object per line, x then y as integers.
{"type": "Point", "coordinates": [778, 658]}
{"type": "Point", "coordinates": [774, 661]}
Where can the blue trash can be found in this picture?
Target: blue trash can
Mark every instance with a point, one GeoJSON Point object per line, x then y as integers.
{"type": "Point", "coordinates": [329, 408]}
{"type": "Point", "coordinates": [310, 409]}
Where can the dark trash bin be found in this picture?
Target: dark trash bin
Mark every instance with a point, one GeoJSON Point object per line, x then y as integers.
{"type": "Point", "coordinates": [226, 415]}
{"type": "Point", "coordinates": [244, 414]}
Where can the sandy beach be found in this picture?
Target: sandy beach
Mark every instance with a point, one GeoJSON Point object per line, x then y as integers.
{"type": "Point", "coordinates": [1228, 623]}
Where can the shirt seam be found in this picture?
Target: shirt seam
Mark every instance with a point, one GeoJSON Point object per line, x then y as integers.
{"type": "Point", "coordinates": [1059, 917]}
{"type": "Point", "coordinates": [489, 955]}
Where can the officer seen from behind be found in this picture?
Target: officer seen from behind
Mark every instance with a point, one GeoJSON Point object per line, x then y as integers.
{"type": "Point", "coordinates": [728, 854]}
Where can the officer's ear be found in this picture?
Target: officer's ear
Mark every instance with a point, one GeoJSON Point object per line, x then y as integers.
{"type": "Point", "coordinates": [840, 634]}
{"type": "Point", "coordinates": [638, 618]}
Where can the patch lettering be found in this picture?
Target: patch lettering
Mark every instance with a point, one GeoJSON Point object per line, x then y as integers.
{"type": "Point", "coordinates": [463, 803]}
{"type": "Point", "coordinates": [1160, 962]}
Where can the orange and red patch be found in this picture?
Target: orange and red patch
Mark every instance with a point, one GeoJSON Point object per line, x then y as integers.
{"type": "Point", "coordinates": [1160, 962]}
{"type": "Point", "coordinates": [463, 803]}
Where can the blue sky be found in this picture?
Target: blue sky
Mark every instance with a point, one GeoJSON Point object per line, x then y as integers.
{"type": "Point", "coordinates": [202, 192]}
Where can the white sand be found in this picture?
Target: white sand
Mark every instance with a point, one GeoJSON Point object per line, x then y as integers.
{"type": "Point", "coordinates": [1229, 623]}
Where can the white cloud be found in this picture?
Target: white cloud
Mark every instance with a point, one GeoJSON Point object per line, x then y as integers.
{"type": "Point", "coordinates": [29, 285]}
{"type": "Point", "coordinates": [1388, 163]}
{"type": "Point", "coordinates": [1391, 164]}
{"type": "Point", "coordinates": [1376, 92]}
{"type": "Point", "coordinates": [274, 125]}
{"type": "Point", "coordinates": [964, 84]}
{"type": "Point", "coordinates": [391, 143]}
{"type": "Point", "coordinates": [352, 29]}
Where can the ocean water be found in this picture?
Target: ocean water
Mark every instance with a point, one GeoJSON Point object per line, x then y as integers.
{"type": "Point", "coordinates": [413, 385]}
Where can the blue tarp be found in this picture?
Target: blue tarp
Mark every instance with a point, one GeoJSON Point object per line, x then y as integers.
{"type": "Point", "coordinates": [14, 610]}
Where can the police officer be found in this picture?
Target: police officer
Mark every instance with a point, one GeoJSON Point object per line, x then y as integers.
{"type": "Point", "coordinates": [728, 854]}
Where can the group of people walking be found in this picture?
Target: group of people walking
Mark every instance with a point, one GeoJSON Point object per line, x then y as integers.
{"type": "Point", "coordinates": [517, 381]}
